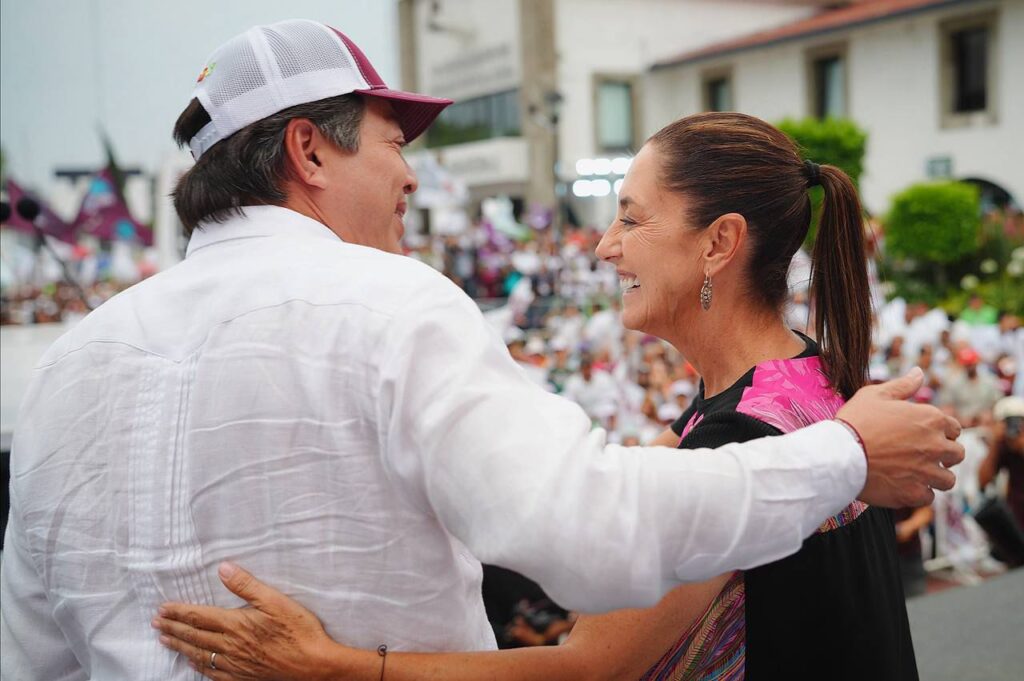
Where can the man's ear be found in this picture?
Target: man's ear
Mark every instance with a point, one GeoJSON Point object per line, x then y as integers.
{"type": "Point", "coordinates": [724, 239]}
{"type": "Point", "coordinates": [303, 147]}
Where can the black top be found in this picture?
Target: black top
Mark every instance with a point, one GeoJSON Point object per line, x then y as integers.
{"type": "Point", "coordinates": [835, 609]}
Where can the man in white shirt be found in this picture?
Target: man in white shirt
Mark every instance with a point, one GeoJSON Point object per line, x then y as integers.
{"type": "Point", "coordinates": [298, 397]}
{"type": "Point", "coordinates": [594, 390]}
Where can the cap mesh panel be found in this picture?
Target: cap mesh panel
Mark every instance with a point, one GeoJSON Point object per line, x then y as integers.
{"type": "Point", "coordinates": [236, 71]}
{"type": "Point", "coordinates": [302, 48]}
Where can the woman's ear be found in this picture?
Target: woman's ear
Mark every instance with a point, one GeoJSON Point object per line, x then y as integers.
{"type": "Point", "coordinates": [724, 240]}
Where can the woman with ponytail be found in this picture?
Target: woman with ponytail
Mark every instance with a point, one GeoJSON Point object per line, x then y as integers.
{"type": "Point", "coordinates": [710, 215]}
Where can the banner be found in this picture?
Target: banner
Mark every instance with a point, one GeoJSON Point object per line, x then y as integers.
{"type": "Point", "coordinates": [104, 215]}
{"type": "Point", "coordinates": [47, 220]}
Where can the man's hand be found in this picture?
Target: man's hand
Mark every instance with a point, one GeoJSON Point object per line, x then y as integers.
{"type": "Point", "coordinates": [909, 446]}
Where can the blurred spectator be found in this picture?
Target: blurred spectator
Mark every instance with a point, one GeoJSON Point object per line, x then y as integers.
{"type": "Point", "coordinates": [909, 524]}
{"type": "Point", "coordinates": [894, 356]}
{"type": "Point", "coordinates": [519, 611]}
{"type": "Point", "coordinates": [1006, 452]}
{"type": "Point", "coordinates": [593, 390]}
{"type": "Point", "coordinates": [567, 328]}
{"type": "Point", "coordinates": [977, 312]}
{"type": "Point", "coordinates": [971, 391]}
{"type": "Point", "coordinates": [560, 370]}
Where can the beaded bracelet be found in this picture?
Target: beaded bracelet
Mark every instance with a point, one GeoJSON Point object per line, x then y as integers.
{"type": "Point", "coordinates": [382, 650]}
{"type": "Point", "coordinates": [856, 435]}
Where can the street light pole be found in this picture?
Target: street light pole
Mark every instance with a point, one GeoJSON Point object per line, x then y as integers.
{"type": "Point", "coordinates": [553, 103]}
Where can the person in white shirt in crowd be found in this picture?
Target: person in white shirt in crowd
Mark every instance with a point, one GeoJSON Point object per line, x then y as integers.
{"type": "Point", "coordinates": [297, 396]}
{"type": "Point", "coordinates": [682, 391]}
{"type": "Point", "coordinates": [1011, 350]}
{"type": "Point", "coordinates": [895, 357]}
{"type": "Point", "coordinates": [924, 327]}
{"type": "Point", "coordinates": [567, 328]}
{"type": "Point", "coordinates": [603, 331]}
{"type": "Point", "coordinates": [972, 391]}
{"type": "Point", "coordinates": [533, 361]}
{"type": "Point", "coordinates": [933, 372]}
{"type": "Point", "coordinates": [592, 389]}
{"type": "Point", "coordinates": [515, 341]}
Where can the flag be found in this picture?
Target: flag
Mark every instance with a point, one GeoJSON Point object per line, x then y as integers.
{"type": "Point", "coordinates": [105, 215]}
{"type": "Point", "coordinates": [117, 175]}
{"type": "Point", "coordinates": [47, 220]}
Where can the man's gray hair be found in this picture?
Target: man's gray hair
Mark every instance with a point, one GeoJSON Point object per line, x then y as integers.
{"type": "Point", "coordinates": [248, 168]}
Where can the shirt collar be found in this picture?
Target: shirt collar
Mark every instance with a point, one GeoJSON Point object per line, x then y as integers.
{"type": "Point", "coordinates": [258, 221]}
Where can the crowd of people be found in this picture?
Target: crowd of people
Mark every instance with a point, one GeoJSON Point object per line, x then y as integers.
{"type": "Point", "coordinates": [54, 302]}
{"type": "Point", "coordinates": [560, 319]}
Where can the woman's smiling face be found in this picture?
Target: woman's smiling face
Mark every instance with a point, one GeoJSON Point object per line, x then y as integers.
{"type": "Point", "coordinates": [656, 253]}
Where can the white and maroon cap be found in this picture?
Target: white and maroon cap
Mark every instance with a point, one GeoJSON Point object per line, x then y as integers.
{"type": "Point", "coordinates": [271, 68]}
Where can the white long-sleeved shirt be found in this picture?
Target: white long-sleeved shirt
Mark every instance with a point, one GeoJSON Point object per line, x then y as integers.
{"type": "Point", "coordinates": [342, 422]}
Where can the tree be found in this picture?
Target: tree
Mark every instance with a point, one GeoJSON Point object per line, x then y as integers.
{"type": "Point", "coordinates": [935, 221]}
{"type": "Point", "coordinates": [931, 231]}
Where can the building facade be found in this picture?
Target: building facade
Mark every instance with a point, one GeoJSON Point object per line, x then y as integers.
{"type": "Point", "coordinates": [543, 84]}
{"type": "Point", "coordinates": [935, 83]}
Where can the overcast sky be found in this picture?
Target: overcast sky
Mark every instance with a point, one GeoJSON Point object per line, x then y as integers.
{"type": "Point", "coordinates": [67, 66]}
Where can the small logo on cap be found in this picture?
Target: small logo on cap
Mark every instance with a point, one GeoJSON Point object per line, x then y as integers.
{"type": "Point", "coordinates": [206, 72]}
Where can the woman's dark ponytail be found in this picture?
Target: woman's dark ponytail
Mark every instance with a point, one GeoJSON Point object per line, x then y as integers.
{"type": "Point", "coordinates": [839, 284]}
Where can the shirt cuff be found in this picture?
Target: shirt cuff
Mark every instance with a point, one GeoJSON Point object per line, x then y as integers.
{"type": "Point", "coordinates": [849, 449]}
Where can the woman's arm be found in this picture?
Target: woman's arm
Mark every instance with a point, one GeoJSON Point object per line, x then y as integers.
{"type": "Point", "coordinates": [276, 638]}
{"type": "Point", "coordinates": [918, 520]}
{"type": "Point", "coordinates": [667, 438]}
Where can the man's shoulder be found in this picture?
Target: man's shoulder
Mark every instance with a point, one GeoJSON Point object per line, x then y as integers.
{"type": "Point", "coordinates": [347, 263]}
{"type": "Point", "coordinates": [108, 322]}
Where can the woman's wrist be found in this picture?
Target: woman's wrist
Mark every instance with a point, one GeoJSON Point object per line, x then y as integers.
{"type": "Point", "coordinates": [335, 662]}
{"type": "Point", "coordinates": [855, 433]}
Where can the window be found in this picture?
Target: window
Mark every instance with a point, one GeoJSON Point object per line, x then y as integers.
{"type": "Point", "coordinates": [615, 115]}
{"type": "Point", "coordinates": [477, 119]}
{"type": "Point", "coordinates": [970, 69]}
{"type": "Point", "coordinates": [829, 86]}
{"type": "Point", "coordinates": [718, 93]}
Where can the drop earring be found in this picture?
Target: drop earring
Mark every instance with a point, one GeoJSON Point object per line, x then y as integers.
{"type": "Point", "coordinates": [705, 293]}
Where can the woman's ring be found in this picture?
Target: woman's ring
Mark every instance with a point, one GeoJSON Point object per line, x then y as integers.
{"type": "Point", "coordinates": [213, 660]}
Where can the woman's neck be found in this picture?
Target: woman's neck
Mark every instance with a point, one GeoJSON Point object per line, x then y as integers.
{"type": "Point", "coordinates": [724, 346]}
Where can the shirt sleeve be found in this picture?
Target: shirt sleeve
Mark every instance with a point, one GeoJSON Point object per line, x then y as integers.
{"type": "Point", "coordinates": [519, 477]}
{"type": "Point", "coordinates": [34, 648]}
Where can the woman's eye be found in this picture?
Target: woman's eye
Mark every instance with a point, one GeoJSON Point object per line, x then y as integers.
{"type": "Point", "coordinates": [626, 222]}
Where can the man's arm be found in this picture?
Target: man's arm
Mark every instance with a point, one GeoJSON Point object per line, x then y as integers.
{"type": "Point", "coordinates": [518, 476]}
{"type": "Point", "coordinates": [33, 645]}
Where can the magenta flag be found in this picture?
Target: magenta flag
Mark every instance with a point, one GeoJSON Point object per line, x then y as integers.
{"type": "Point", "coordinates": [47, 219]}
{"type": "Point", "coordinates": [104, 215]}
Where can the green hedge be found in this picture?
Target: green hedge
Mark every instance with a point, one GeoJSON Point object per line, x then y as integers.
{"type": "Point", "coordinates": [941, 252]}
{"type": "Point", "coordinates": [937, 222]}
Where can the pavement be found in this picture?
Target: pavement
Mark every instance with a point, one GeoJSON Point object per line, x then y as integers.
{"type": "Point", "coordinates": [971, 633]}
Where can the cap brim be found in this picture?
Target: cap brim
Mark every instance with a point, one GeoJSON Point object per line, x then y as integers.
{"type": "Point", "coordinates": [414, 112]}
